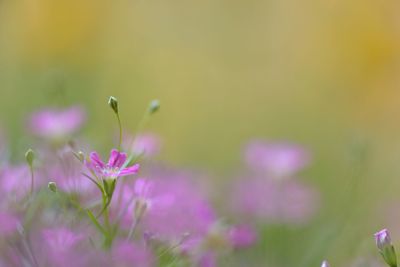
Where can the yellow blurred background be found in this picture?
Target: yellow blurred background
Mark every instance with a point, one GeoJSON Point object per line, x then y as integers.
{"type": "Point", "coordinates": [321, 73]}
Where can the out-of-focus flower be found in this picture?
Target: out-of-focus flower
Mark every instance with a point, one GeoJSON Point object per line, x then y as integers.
{"type": "Point", "coordinates": [127, 254]}
{"type": "Point", "coordinates": [61, 238]}
{"type": "Point", "coordinates": [175, 209]}
{"type": "Point", "coordinates": [57, 124]}
{"type": "Point", "coordinates": [147, 144]}
{"type": "Point", "coordinates": [61, 246]}
{"type": "Point", "coordinates": [272, 201]}
{"type": "Point", "coordinates": [208, 259]}
{"type": "Point", "coordinates": [15, 183]}
{"type": "Point", "coordinates": [385, 247]}
{"type": "Point", "coordinates": [242, 236]}
{"type": "Point", "coordinates": [114, 168]}
{"type": "Point", "coordinates": [325, 264]}
{"type": "Point", "coordinates": [8, 224]}
{"type": "Point", "coordinates": [279, 160]}
{"type": "Point", "coordinates": [265, 194]}
{"type": "Point", "coordinates": [66, 171]}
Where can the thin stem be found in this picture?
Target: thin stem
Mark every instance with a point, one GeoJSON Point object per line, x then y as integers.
{"type": "Point", "coordinates": [139, 128]}
{"type": "Point", "coordinates": [32, 179]}
{"type": "Point", "coordinates": [120, 132]}
{"type": "Point", "coordinates": [133, 228]}
{"type": "Point", "coordinates": [108, 229]}
{"type": "Point", "coordinates": [106, 213]}
{"type": "Point", "coordinates": [171, 248]}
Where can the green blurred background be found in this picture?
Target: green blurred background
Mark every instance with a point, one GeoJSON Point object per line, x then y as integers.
{"type": "Point", "coordinates": [321, 73]}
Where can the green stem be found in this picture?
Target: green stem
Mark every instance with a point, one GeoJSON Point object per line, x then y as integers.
{"type": "Point", "coordinates": [120, 132]}
{"type": "Point", "coordinates": [133, 228]}
{"type": "Point", "coordinates": [32, 179]}
{"type": "Point", "coordinates": [108, 230]}
{"type": "Point", "coordinates": [139, 128]}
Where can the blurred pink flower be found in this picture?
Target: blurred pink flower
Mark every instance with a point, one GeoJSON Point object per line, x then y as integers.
{"type": "Point", "coordinates": [147, 144]}
{"type": "Point", "coordinates": [8, 224]}
{"type": "Point", "coordinates": [242, 236]}
{"type": "Point", "coordinates": [15, 183]}
{"type": "Point", "coordinates": [61, 246]}
{"type": "Point", "coordinates": [66, 171]}
{"type": "Point", "coordinates": [273, 201]}
{"type": "Point", "coordinates": [56, 123]}
{"type": "Point", "coordinates": [175, 208]}
{"type": "Point", "coordinates": [60, 239]}
{"type": "Point", "coordinates": [276, 159]}
{"type": "Point", "coordinates": [127, 254]}
{"type": "Point", "coordinates": [114, 168]}
{"type": "Point", "coordinates": [207, 259]}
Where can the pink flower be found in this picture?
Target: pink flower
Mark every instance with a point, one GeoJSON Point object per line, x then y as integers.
{"type": "Point", "coordinates": [56, 123]}
{"type": "Point", "coordinates": [15, 183]}
{"type": "Point", "coordinates": [172, 199]}
{"type": "Point", "coordinates": [207, 259]}
{"type": "Point", "coordinates": [66, 171]}
{"type": "Point", "coordinates": [60, 239]}
{"type": "Point", "coordinates": [127, 254]}
{"type": "Point", "coordinates": [274, 201]}
{"type": "Point", "coordinates": [61, 247]}
{"type": "Point", "coordinates": [114, 168]}
{"type": "Point", "coordinates": [9, 224]}
{"type": "Point", "coordinates": [242, 236]}
{"type": "Point", "coordinates": [146, 144]}
{"type": "Point", "coordinates": [276, 159]}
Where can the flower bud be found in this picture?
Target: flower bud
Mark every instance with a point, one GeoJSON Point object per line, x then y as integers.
{"type": "Point", "coordinates": [154, 106]}
{"type": "Point", "coordinates": [52, 186]}
{"type": "Point", "coordinates": [113, 103]}
{"type": "Point", "coordinates": [29, 156]}
{"type": "Point", "coordinates": [385, 247]}
{"type": "Point", "coordinates": [325, 264]}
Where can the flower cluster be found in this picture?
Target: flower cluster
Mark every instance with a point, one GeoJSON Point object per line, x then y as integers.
{"type": "Point", "coordinates": [69, 207]}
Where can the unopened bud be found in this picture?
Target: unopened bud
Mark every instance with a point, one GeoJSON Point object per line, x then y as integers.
{"type": "Point", "coordinates": [154, 106]}
{"type": "Point", "coordinates": [384, 244]}
{"type": "Point", "coordinates": [29, 156]}
{"type": "Point", "coordinates": [52, 186]}
{"type": "Point", "coordinates": [113, 103]}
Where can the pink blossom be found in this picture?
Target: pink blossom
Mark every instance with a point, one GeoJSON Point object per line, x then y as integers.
{"type": "Point", "coordinates": [15, 183]}
{"type": "Point", "coordinates": [61, 246]}
{"type": "Point", "coordinates": [171, 199]}
{"type": "Point", "coordinates": [272, 201]}
{"type": "Point", "coordinates": [276, 159]}
{"type": "Point", "coordinates": [127, 254]}
{"type": "Point", "coordinates": [147, 144]}
{"type": "Point", "coordinates": [114, 168]}
{"type": "Point", "coordinates": [242, 236]}
{"type": "Point", "coordinates": [8, 224]}
{"type": "Point", "coordinates": [56, 123]}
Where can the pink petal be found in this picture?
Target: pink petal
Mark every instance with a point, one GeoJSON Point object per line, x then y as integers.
{"type": "Point", "coordinates": [96, 160]}
{"type": "Point", "coordinates": [117, 159]}
{"type": "Point", "coordinates": [130, 170]}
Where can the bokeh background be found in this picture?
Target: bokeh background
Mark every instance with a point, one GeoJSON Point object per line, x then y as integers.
{"type": "Point", "coordinates": [324, 74]}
